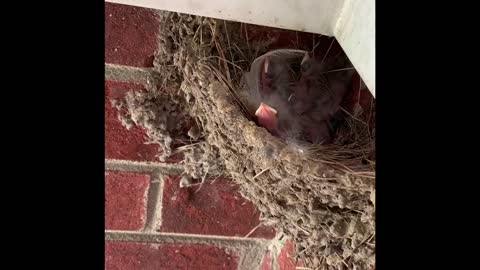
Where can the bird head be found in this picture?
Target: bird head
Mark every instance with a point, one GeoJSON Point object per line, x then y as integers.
{"type": "Point", "coordinates": [269, 82]}
{"type": "Point", "coordinates": [267, 117]}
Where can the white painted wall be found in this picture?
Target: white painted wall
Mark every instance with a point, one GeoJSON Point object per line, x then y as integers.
{"type": "Point", "coordinates": [352, 22]}
{"type": "Point", "coordinates": [355, 31]}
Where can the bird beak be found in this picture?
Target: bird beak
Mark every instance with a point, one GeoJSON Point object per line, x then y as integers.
{"type": "Point", "coordinates": [264, 109]}
{"type": "Point", "coordinates": [267, 117]}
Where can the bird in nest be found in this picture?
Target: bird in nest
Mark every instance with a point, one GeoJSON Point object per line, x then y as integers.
{"type": "Point", "coordinates": [296, 96]}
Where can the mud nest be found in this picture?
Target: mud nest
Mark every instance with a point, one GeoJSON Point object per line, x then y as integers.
{"type": "Point", "coordinates": [321, 197]}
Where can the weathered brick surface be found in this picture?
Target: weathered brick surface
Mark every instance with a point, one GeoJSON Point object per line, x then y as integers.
{"type": "Point", "coordinates": [130, 35]}
{"type": "Point", "coordinates": [145, 256]}
{"type": "Point", "coordinates": [216, 209]}
{"type": "Point", "coordinates": [125, 200]}
{"type": "Point", "coordinates": [121, 143]}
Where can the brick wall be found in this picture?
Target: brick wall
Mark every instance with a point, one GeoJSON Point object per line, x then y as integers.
{"type": "Point", "coordinates": [150, 222]}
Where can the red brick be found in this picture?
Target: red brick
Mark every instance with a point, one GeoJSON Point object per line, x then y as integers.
{"type": "Point", "coordinates": [127, 256]}
{"type": "Point", "coordinates": [125, 200]}
{"type": "Point", "coordinates": [266, 262]}
{"type": "Point", "coordinates": [217, 209]}
{"type": "Point", "coordinates": [130, 35]}
{"type": "Point", "coordinates": [285, 260]}
{"type": "Point", "coordinates": [121, 143]}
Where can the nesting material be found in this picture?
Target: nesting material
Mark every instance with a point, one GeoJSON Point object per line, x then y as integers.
{"type": "Point", "coordinates": [321, 197]}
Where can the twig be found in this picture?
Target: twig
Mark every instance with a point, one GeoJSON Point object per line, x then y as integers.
{"type": "Point", "coordinates": [258, 174]}
{"type": "Point", "coordinates": [185, 147]}
{"type": "Point", "coordinates": [316, 45]}
{"type": "Point", "coordinates": [298, 42]}
{"type": "Point", "coordinates": [241, 52]}
{"type": "Point", "coordinates": [305, 249]}
{"type": "Point", "coordinates": [256, 227]}
{"type": "Point", "coordinates": [313, 42]}
{"type": "Point", "coordinates": [302, 229]}
{"type": "Point", "coordinates": [196, 31]}
{"type": "Point", "coordinates": [203, 180]}
{"type": "Point", "coordinates": [325, 56]}
{"type": "Point", "coordinates": [223, 59]}
{"type": "Point", "coordinates": [349, 114]}
{"type": "Point", "coordinates": [361, 243]}
{"type": "Point", "coordinates": [229, 46]}
{"type": "Point", "coordinates": [340, 69]}
{"type": "Point", "coordinates": [248, 43]}
{"type": "Point", "coordinates": [201, 33]}
{"type": "Point", "coordinates": [215, 179]}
